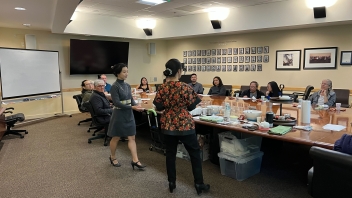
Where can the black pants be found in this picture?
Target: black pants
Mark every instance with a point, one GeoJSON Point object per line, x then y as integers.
{"type": "Point", "coordinates": [191, 144]}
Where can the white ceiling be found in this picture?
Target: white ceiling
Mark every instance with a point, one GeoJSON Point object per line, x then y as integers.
{"type": "Point", "coordinates": [46, 14]}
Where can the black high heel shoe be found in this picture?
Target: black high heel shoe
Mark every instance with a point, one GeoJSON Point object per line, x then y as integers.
{"type": "Point", "coordinates": [201, 187]}
{"type": "Point", "coordinates": [172, 186]}
{"type": "Point", "coordinates": [133, 164]}
{"type": "Point", "coordinates": [112, 162]}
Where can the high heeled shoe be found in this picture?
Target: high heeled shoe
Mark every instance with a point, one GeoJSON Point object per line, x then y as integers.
{"type": "Point", "coordinates": [133, 164]}
{"type": "Point", "coordinates": [201, 187]}
{"type": "Point", "coordinates": [112, 162]}
{"type": "Point", "coordinates": [172, 186]}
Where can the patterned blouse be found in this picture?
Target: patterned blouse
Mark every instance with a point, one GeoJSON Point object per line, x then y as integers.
{"type": "Point", "coordinates": [177, 99]}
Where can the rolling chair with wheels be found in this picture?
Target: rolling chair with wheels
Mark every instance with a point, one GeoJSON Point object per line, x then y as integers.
{"type": "Point", "coordinates": [342, 96]}
{"type": "Point", "coordinates": [78, 99]}
{"type": "Point", "coordinates": [99, 126]}
{"type": "Point", "coordinates": [11, 121]}
{"type": "Point", "coordinates": [306, 93]}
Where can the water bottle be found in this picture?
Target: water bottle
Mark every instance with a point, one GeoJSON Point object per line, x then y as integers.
{"type": "Point", "coordinates": [227, 111]}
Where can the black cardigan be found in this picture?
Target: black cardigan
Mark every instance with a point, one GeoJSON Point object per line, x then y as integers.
{"type": "Point", "coordinates": [248, 93]}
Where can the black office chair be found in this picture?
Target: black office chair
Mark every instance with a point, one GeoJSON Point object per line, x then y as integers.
{"type": "Point", "coordinates": [331, 174]}
{"type": "Point", "coordinates": [342, 96]}
{"type": "Point", "coordinates": [99, 126]}
{"type": "Point", "coordinates": [263, 89]}
{"type": "Point", "coordinates": [306, 93]}
{"type": "Point", "coordinates": [228, 90]}
{"type": "Point", "coordinates": [11, 121]}
{"type": "Point", "coordinates": [78, 99]}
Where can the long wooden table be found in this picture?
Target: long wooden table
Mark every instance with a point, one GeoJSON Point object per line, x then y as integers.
{"type": "Point", "coordinates": [316, 137]}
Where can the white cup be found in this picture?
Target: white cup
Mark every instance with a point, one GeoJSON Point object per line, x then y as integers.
{"type": "Point", "coordinates": [338, 106]}
{"type": "Point", "coordinates": [264, 125]}
{"type": "Point", "coordinates": [300, 101]}
{"type": "Point", "coordinates": [237, 95]}
{"type": "Point", "coordinates": [139, 100]}
{"type": "Point", "coordinates": [259, 119]}
{"type": "Point", "coordinates": [262, 98]}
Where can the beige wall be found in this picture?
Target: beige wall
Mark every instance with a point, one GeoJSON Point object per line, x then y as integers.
{"type": "Point", "coordinates": [142, 64]}
{"type": "Point", "coordinates": [333, 36]}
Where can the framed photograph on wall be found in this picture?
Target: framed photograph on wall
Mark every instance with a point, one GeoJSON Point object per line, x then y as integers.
{"type": "Point", "coordinates": [204, 68]}
{"type": "Point", "coordinates": [241, 59]}
{"type": "Point", "coordinates": [259, 59]}
{"type": "Point", "coordinates": [208, 52]}
{"type": "Point", "coordinates": [218, 60]}
{"type": "Point", "coordinates": [223, 68]}
{"type": "Point", "coordinates": [259, 67]}
{"type": "Point", "coordinates": [247, 67]}
{"type": "Point", "coordinates": [208, 68]}
{"type": "Point", "coordinates": [229, 68]}
{"type": "Point", "coordinates": [185, 60]}
{"type": "Point", "coordinates": [235, 51]}
{"type": "Point", "coordinates": [189, 61]}
{"type": "Point", "coordinates": [199, 68]}
{"type": "Point", "coordinates": [190, 68]}
{"type": "Point", "coordinates": [241, 50]}
{"type": "Point", "coordinates": [259, 50]}
{"type": "Point", "coordinates": [223, 59]}
{"type": "Point", "coordinates": [248, 50]}
{"type": "Point", "coordinates": [241, 68]}
{"type": "Point", "coordinates": [204, 52]}
{"type": "Point", "coordinates": [288, 59]}
{"type": "Point", "coordinates": [224, 51]}
{"type": "Point", "coordinates": [213, 68]}
{"type": "Point", "coordinates": [253, 59]}
{"type": "Point", "coordinates": [253, 67]}
{"type": "Point", "coordinates": [248, 59]}
{"type": "Point", "coordinates": [208, 60]}
{"type": "Point", "coordinates": [218, 52]}
{"type": "Point", "coordinates": [213, 60]}
{"type": "Point", "coordinates": [235, 59]}
{"type": "Point", "coordinates": [235, 68]}
{"type": "Point", "coordinates": [266, 59]}
{"type": "Point", "coordinates": [199, 52]}
{"type": "Point", "coordinates": [229, 51]}
{"type": "Point", "coordinates": [229, 59]}
{"type": "Point", "coordinates": [320, 58]}
{"type": "Point", "coordinates": [184, 53]}
{"type": "Point", "coordinates": [194, 68]}
{"type": "Point", "coordinates": [266, 49]}
{"type": "Point", "coordinates": [204, 60]}
{"type": "Point", "coordinates": [213, 52]}
{"type": "Point", "coordinates": [253, 50]}
{"type": "Point", "coordinates": [194, 61]}
{"type": "Point", "coordinates": [199, 60]}
{"type": "Point", "coordinates": [346, 58]}
{"type": "Point", "coordinates": [194, 53]}
{"type": "Point", "coordinates": [218, 68]}
{"type": "Point", "coordinates": [189, 53]}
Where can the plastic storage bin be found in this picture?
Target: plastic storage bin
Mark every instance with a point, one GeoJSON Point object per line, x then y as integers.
{"type": "Point", "coordinates": [240, 168]}
{"type": "Point", "coordinates": [235, 144]}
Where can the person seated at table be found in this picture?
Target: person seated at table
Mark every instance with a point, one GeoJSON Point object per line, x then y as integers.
{"type": "Point", "coordinates": [196, 86]}
{"type": "Point", "coordinates": [273, 90]}
{"type": "Point", "coordinates": [326, 96]}
{"type": "Point", "coordinates": [252, 91]}
{"type": "Point", "coordinates": [144, 85]}
{"type": "Point", "coordinates": [218, 88]}
{"type": "Point", "coordinates": [100, 103]}
{"type": "Point", "coordinates": [107, 85]}
{"type": "Point", "coordinates": [87, 90]}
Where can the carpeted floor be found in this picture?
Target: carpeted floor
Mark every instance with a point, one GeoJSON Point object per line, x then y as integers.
{"type": "Point", "coordinates": [55, 160]}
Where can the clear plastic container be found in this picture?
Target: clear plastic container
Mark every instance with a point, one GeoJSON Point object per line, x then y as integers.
{"type": "Point", "coordinates": [240, 168]}
{"type": "Point", "coordinates": [237, 145]}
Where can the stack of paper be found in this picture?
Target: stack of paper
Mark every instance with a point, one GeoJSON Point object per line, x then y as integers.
{"type": "Point", "coordinates": [334, 127]}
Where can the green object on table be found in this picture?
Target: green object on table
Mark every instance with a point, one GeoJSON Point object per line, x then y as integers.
{"type": "Point", "coordinates": [280, 130]}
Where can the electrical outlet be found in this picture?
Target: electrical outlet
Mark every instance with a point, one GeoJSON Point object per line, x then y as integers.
{"type": "Point", "coordinates": [155, 79]}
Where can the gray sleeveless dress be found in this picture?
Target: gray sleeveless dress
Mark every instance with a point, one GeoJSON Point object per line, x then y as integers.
{"type": "Point", "coordinates": [122, 122]}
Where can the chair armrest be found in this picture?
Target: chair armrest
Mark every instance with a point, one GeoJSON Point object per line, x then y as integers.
{"type": "Point", "coordinates": [8, 112]}
{"type": "Point", "coordinates": [10, 108]}
{"type": "Point", "coordinates": [298, 93]}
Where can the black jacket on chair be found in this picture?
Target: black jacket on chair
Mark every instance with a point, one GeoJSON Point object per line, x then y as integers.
{"type": "Point", "coordinates": [101, 106]}
{"type": "Point", "coordinates": [248, 93]}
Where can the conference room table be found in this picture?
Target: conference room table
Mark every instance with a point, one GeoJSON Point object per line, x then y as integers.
{"type": "Point", "coordinates": [316, 137]}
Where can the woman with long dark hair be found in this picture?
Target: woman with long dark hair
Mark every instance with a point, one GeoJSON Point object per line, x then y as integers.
{"type": "Point", "coordinates": [273, 90]}
{"type": "Point", "coordinates": [144, 85]}
{"type": "Point", "coordinates": [177, 99]}
{"type": "Point", "coordinates": [218, 88]}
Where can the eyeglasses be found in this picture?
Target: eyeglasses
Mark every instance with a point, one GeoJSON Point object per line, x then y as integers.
{"type": "Point", "coordinates": [324, 84]}
{"type": "Point", "coordinates": [100, 86]}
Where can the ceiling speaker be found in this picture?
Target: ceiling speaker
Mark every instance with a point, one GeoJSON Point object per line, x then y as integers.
{"type": "Point", "coordinates": [148, 31]}
{"type": "Point", "coordinates": [319, 12]}
{"type": "Point", "coordinates": [216, 24]}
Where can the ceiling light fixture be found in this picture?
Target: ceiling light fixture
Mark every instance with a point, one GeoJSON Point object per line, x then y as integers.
{"type": "Point", "coordinates": [216, 15]}
{"type": "Point", "coordinates": [147, 25]}
{"type": "Point", "coordinates": [152, 2]}
{"type": "Point", "coordinates": [20, 8]}
{"type": "Point", "coordinates": [320, 3]}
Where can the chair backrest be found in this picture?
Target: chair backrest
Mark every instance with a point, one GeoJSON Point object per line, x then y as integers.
{"type": "Point", "coordinates": [263, 89]}
{"type": "Point", "coordinates": [228, 89]}
{"type": "Point", "coordinates": [332, 173]}
{"type": "Point", "coordinates": [157, 86]}
{"type": "Point", "coordinates": [244, 87]}
{"type": "Point", "coordinates": [306, 94]}
{"type": "Point", "coordinates": [90, 109]}
{"type": "Point", "coordinates": [78, 99]}
{"type": "Point", "coordinates": [342, 96]}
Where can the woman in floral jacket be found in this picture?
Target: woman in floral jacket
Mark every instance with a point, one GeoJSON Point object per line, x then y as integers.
{"type": "Point", "coordinates": [177, 99]}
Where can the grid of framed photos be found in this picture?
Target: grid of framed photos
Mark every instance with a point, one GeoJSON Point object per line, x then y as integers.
{"type": "Point", "coordinates": [244, 59]}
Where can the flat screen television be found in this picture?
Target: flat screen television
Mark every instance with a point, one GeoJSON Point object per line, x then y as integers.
{"type": "Point", "coordinates": [96, 57]}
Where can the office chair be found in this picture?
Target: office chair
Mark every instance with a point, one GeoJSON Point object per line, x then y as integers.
{"type": "Point", "coordinates": [78, 99]}
{"type": "Point", "coordinates": [99, 126]}
{"type": "Point", "coordinates": [331, 174]}
{"type": "Point", "coordinates": [228, 90]}
{"type": "Point", "coordinates": [342, 96]}
{"type": "Point", "coordinates": [306, 93]}
{"type": "Point", "coordinates": [10, 122]}
{"type": "Point", "coordinates": [263, 89]}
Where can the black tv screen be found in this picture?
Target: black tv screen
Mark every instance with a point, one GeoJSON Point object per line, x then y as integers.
{"type": "Point", "coordinates": [96, 57]}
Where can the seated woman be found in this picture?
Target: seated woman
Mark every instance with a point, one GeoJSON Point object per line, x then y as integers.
{"type": "Point", "coordinates": [144, 85]}
{"type": "Point", "coordinates": [273, 90]}
{"type": "Point", "coordinates": [218, 88]}
{"type": "Point", "coordinates": [326, 96]}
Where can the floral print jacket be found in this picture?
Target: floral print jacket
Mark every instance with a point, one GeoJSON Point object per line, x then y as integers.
{"type": "Point", "coordinates": [176, 99]}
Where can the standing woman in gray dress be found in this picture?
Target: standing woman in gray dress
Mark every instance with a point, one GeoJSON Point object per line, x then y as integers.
{"type": "Point", "coordinates": [122, 123]}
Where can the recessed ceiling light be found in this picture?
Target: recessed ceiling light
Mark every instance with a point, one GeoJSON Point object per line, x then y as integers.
{"type": "Point", "coordinates": [27, 24]}
{"type": "Point", "coordinates": [20, 8]}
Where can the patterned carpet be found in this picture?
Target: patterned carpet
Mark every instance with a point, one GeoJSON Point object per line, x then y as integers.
{"type": "Point", "coordinates": [55, 160]}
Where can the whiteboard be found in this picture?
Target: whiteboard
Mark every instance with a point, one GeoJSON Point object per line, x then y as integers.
{"type": "Point", "coordinates": [28, 72]}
